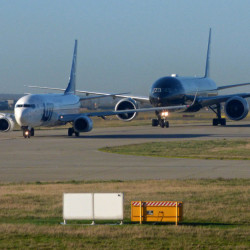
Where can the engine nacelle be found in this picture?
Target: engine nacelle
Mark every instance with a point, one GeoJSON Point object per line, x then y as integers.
{"type": "Point", "coordinates": [83, 124]}
{"type": "Point", "coordinates": [236, 108]}
{"type": "Point", "coordinates": [127, 103]}
{"type": "Point", "coordinates": [7, 123]}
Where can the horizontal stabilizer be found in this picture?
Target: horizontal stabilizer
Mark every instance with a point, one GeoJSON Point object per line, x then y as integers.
{"type": "Point", "coordinates": [233, 86]}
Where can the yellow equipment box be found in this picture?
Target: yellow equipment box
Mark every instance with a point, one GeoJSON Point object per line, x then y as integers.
{"type": "Point", "coordinates": [157, 211]}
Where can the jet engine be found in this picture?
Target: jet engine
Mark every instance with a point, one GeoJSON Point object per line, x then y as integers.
{"type": "Point", "coordinates": [236, 108]}
{"type": "Point", "coordinates": [83, 124]}
{"type": "Point", "coordinates": [124, 104]}
{"type": "Point", "coordinates": [7, 123]}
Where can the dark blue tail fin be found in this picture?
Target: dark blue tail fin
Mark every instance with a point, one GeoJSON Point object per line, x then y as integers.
{"type": "Point", "coordinates": [70, 90]}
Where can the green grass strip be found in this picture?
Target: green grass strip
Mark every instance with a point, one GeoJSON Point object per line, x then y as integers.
{"type": "Point", "coordinates": [221, 149]}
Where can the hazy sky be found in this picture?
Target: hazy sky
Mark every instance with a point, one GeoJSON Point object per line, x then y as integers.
{"type": "Point", "coordinates": [123, 45]}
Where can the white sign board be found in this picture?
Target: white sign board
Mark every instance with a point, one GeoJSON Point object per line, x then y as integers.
{"type": "Point", "coordinates": [108, 206]}
{"type": "Point", "coordinates": [93, 206]}
{"type": "Point", "coordinates": [78, 206]}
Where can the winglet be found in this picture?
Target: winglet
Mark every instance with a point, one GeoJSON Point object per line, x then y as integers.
{"type": "Point", "coordinates": [194, 98]}
{"type": "Point", "coordinates": [188, 106]}
{"type": "Point", "coordinates": [207, 70]}
{"type": "Point", "coordinates": [70, 90]}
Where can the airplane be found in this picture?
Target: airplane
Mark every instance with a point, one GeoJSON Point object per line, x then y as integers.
{"type": "Point", "coordinates": [174, 90]}
{"type": "Point", "coordinates": [35, 110]}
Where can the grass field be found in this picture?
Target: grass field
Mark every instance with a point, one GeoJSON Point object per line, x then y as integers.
{"type": "Point", "coordinates": [216, 215]}
{"type": "Point", "coordinates": [209, 149]}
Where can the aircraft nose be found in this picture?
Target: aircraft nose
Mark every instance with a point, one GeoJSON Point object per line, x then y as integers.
{"type": "Point", "coordinates": [22, 117]}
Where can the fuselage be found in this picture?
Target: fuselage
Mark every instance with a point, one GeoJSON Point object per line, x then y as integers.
{"type": "Point", "coordinates": [168, 91]}
{"type": "Point", "coordinates": [45, 109]}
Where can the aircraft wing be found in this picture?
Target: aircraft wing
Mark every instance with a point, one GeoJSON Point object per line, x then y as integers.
{"type": "Point", "coordinates": [72, 117]}
{"type": "Point", "coordinates": [233, 86]}
{"type": "Point", "coordinates": [101, 95]}
{"type": "Point", "coordinates": [137, 98]}
{"type": "Point", "coordinates": [208, 101]}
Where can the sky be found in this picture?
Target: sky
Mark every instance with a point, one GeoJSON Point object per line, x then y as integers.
{"type": "Point", "coordinates": [123, 45]}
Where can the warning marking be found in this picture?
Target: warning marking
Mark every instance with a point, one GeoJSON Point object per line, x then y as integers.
{"type": "Point", "coordinates": [156, 203]}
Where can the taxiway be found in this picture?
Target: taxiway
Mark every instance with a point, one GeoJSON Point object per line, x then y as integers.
{"type": "Point", "coordinates": [53, 156]}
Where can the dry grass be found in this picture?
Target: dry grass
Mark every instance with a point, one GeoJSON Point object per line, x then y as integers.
{"type": "Point", "coordinates": [45, 200]}
{"type": "Point", "coordinates": [216, 214]}
{"type": "Point", "coordinates": [138, 237]}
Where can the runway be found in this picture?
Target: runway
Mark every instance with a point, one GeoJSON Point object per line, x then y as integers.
{"type": "Point", "coordinates": [53, 156]}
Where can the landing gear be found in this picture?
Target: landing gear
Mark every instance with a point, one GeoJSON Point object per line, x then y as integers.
{"type": "Point", "coordinates": [155, 122]}
{"type": "Point", "coordinates": [71, 131]}
{"type": "Point", "coordinates": [163, 123]}
{"type": "Point", "coordinates": [160, 122]}
{"type": "Point", "coordinates": [221, 121]}
{"type": "Point", "coordinates": [32, 132]}
{"type": "Point", "coordinates": [28, 132]}
{"type": "Point", "coordinates": [218, 120]}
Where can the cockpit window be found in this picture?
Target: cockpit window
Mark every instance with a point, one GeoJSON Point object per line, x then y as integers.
{"type": "Point", "coordinates": [26, 105]}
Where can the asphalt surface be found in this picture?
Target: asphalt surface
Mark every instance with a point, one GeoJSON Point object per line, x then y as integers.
{"type": "Point", "coordinates": [53, 156]}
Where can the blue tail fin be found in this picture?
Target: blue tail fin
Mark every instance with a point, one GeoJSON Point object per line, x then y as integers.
{"type": "Point", "coordinates": [207, 70]}
{"type": "Point", "coordinates": [70, 90]}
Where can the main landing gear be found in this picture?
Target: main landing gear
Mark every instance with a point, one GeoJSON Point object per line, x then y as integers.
{"type": "Point", "coordinates": [218, 120]}
{"type": "Point", "coordinates": [28, 132]}
{"type": "Point", "coordinates": [71, 131]}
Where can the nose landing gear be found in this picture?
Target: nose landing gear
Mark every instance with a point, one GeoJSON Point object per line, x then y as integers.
{"type": "Point", "coordinates": [27, 133]}
{"type": "Point", "coordinates": [161, 121]}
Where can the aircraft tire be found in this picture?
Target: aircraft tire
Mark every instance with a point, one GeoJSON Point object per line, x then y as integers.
{"type": "Point", "coordinates": [215, 122]}
{"type": "Point", "coordinates": [223, 122]}
{"type": "Point", "coordinates": [32, 132]}
{"type": "Point", "coordinates": [162, 123]}
{"type": "Point", "coordinates": [155, 122]}
{"type": "Point", "coordinates": [70, 131]}
{"type": "Point", "coordinates": [166, 124]}
{"type": "Point", "coordinates": [77, 134]}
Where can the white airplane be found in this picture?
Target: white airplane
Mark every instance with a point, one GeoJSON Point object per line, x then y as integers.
{"type": "Point", "coordinates": [35, 110]}
{"type": "Point", "coordinates": [171, 91]}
